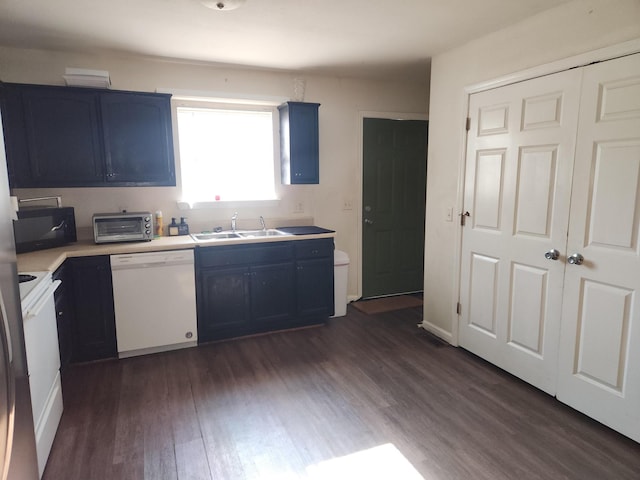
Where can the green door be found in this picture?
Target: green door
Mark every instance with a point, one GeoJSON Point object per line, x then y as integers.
{"type": "Point", "coordinates": [394, 188]}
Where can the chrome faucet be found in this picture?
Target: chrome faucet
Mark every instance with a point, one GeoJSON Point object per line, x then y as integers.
{"type": "Point", "coordinates": [264, 227]}
{"type": "Point", "coordinates": [233, 221]}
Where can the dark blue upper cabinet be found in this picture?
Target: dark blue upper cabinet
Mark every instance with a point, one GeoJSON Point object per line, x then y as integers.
{"type": "Point", "coordinates": [299, 143]}
{"type": "Point", "coordinates": [82, 137]}
{"type": "Point", "coordinates": [137, 138]}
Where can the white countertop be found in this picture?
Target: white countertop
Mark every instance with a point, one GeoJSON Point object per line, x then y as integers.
{"type": "Point", "coordinates": [51, 259]}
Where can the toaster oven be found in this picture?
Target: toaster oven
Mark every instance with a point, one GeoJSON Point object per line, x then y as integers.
{"type": "Point", "coordinates": [122, 227]}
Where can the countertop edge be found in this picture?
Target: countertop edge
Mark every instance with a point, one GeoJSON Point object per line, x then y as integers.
{"type": "Point", "coordinates": [51, 259]}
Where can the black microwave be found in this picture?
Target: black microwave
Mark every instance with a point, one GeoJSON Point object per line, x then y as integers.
{"type": "Point", "coordinates": [38, 228]}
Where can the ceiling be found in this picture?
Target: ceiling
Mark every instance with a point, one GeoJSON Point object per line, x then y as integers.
{"type": "Point", "coordinates": [370, 38]}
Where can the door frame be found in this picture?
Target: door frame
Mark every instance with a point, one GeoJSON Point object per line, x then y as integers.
{"type": "Point", "coordinates": [360, 174]}
{"type": "Point", "coordinates": [603, 54]}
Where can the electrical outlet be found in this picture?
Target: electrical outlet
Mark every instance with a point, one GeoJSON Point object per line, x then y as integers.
{"type": "Point", "coordinates": [298, 207]}
{"type": "Point", "coordinates": [347, 204]}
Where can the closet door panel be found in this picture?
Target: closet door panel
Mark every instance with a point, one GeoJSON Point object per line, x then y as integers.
{"type": "Point", "coordinates": [599, 362]}
{"type": "Point", "coordinates": [517, 188]}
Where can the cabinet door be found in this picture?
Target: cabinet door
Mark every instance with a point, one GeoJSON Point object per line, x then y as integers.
{"type": "Point", "coordinates": [63, 317]}
{"type": "Point", "coordinates": [299, 143]}
{"type": "Point", "coordinates": [272, 294]}
{"type": "Point", "coordinates": [315, 287]}
{"type": "Point", "coordinates": [137, 138]}
{"type": "Point", "coordinates": [61, 128]}
{"type": "Point", "coordinates": [223, 303]}
{"type": "Point", "coordinates": [93, 322]}
{"type": "Point", "coordinates": [15, 140]}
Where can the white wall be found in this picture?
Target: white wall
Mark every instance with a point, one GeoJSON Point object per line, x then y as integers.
{"type": "Point", "coordinates": [341, 101]}
{"type": "Point", "coordinates": [568, 30]}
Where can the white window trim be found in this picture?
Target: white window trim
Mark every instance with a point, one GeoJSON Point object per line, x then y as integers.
{"type": "Point", "coordinates": [215, 100]}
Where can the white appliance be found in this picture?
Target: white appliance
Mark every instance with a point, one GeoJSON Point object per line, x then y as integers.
{"type": "Point", "coordinates": [17, 443]}
{"type": "Point", "coordinates": [43, 359]}
{"type": "Point", "coordinates": [155, 301]}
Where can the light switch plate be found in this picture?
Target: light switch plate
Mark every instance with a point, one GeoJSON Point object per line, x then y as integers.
{"type": "Point", "coordinates": [449, 214]}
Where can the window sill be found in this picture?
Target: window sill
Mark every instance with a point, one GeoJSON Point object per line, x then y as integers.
{"type": "Point", "coordinates": [228, 204]}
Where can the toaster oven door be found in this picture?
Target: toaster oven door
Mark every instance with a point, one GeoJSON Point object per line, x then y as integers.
{"type": "Point", "coordinates": [118, 229]}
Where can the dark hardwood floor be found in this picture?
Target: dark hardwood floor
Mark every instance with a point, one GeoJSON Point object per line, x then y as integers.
{"type": "Point", "coordinates": [270, 407]}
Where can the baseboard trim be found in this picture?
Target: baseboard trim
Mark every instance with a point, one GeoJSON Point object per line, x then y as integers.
{"type": "Point", "coordinates": [437, 331]}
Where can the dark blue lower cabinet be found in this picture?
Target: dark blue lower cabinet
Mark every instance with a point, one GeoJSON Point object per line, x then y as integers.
{"type": "Point", "coordinates": [91, 310]}
{"type": "Point", "coordinates": [248, 289]}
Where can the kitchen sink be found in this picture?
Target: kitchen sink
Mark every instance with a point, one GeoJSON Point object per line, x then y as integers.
{"type": "Point", "coordinates": [203, 237]}
{"type": "Point", "coordinates": [270, 232]}
{"type": "Point", "coordinates": [208, 236]}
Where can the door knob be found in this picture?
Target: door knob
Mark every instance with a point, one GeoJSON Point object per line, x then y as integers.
{"type": "Point", "coordinates": [576, 259]}
{"type": "Point", "coordinates": [368, 222]}
{"type": "Point", "coordinates": [552, 254]}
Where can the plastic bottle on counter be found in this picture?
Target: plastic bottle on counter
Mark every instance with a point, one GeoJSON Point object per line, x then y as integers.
{"type": "Point", "coordinates": [173, 228]}
{"type": "Point", "coordinates": [159, 224]}
{"type": "Point", "coordinates": [183, 228]}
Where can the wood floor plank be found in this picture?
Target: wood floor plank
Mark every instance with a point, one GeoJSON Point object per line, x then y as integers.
{"type": "Point", "coordinates": [191, 460]}
{"type": "Point", "coordinates": [278, 406]}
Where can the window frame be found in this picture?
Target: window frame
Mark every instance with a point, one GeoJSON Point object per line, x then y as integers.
{"type": "Point", "coordinates": [228, 104]}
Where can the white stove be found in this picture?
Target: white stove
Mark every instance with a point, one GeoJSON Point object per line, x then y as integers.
{"type": "Point", "coordinates": [43, 358]}
{"type": "Point", "coordinates": [30, 290]}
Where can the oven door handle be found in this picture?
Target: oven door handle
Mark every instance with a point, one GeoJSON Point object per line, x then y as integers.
{"type": "Point", "coordinates": [44, 298]}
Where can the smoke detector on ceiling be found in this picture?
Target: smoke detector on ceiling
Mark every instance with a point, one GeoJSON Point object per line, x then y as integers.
{"type": "Point", "coordinates": [222, 5]}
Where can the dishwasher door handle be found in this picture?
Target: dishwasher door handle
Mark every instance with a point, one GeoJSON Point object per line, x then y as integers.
{"type": "Point", "coordinates": [150, 260]}
{"type": "Point", "coordinates": [133, 266]}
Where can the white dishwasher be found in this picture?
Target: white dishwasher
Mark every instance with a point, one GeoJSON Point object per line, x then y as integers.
{"type": "Point", "coordinates": [155, 301]}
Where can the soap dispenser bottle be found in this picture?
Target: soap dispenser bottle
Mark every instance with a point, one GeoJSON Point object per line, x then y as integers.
{"type": "Point", "coordinates": [183, 228]}
{"type": "Point", "coordinates": [173, 228]}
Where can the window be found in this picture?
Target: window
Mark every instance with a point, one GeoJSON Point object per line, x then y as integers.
{"type": "Point", "coordinates": [226, 152]}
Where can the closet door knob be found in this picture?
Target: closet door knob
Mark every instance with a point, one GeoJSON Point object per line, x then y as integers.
{"type": "Point", "coordinates": [576, 259]}
{"type": "Point", "coordinates": [552, 254]}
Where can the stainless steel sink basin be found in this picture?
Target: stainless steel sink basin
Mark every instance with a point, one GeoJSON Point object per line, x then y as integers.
{"type": "Point", "coordinates": [203, 237]}
{"type": "Point", "coordinates": [270, 232]}
{"type": "Point", "coordinates": [209, 236]}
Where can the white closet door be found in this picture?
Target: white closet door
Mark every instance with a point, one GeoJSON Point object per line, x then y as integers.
{"type": "Point", "coordinates": [599, 359]}
{"type": "Point", "coordinates": [517, 188]}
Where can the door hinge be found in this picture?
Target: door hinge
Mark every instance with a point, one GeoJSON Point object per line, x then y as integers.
{"type": "Point", "coordinates": [468, 124]}
{"type": "Point", "coordinates": [463, 218]}
{"type": "Point", "coordinates": [459, 308]}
